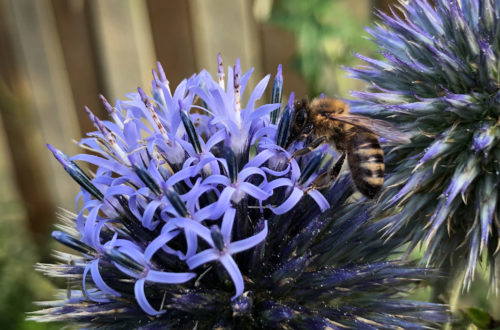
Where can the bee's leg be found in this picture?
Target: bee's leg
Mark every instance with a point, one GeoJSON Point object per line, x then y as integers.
{"type": "Point", "coordinates": [334, 172]}
{"type": "Point", "coordinates": [309, 147]}
{"type": "Point", "coordinates": [319, 183]}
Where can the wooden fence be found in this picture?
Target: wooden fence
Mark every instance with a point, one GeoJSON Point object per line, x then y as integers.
{"type": "Point", "coordinates": [57, 56]}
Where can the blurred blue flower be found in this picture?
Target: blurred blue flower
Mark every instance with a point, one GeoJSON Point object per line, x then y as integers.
{"type": "Point", "coordinates": [440, 81]}
{"type": "Point", "coordinates": [197, 217]}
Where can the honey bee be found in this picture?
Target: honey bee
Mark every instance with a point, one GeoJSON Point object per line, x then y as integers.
{"type": "Point", "coordinates": [327, 120]}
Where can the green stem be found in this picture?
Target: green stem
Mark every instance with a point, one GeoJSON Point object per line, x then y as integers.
{"type": "Point", "coordinates": [448, 288]}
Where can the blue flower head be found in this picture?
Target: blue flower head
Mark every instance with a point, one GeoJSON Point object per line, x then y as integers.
{"type": "Point", "coordinates": [440, 81]}
{"type": "Point", "coordinates": [197, 216]}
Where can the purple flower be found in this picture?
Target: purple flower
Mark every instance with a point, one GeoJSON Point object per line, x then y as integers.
{"type": "Point", "coordinates": [197, 217]}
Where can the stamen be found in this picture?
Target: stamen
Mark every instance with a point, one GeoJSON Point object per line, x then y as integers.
{"type": "Point", "coordinates": [113, 112]}
{"type": "Point", "coordinates": [220, 71]}
{"type": "Point", "coordinates": [154, 115]}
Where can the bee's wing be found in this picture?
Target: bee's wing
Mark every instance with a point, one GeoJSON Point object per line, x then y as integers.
{"type": "Point", "coordinates": [375, 126]}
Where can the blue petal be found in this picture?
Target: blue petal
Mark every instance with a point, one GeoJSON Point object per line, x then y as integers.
{"type": "Point", "coordinates": [130, 133]}
{"type": "Point", "coordinates": [227, 224]}
{"type": "Point", "coordinates": [248, 171]}
{"type": "Point", "coordinates": [260, 158]}
{"type": "Point", "coordinates": [191, 242]}
{"type": "Point", "coordinates": [249, 242]}
{"type": "Point", "coordinates": [209, 212]}
{"type": "Point", "coordinates": [80, 219]}
{"type": "Point", "coordinates": [277, 173]}
{"type": "Point", "coordinates": [256, 94]}
{"type": "Point", "coordinates": [295, 170]}
{"type": "Point", "coordinates": [84, 285]}
{"type": "Point", "coordinates": [262, 111]}
{"type": "Point", "coordinates": [214, 139]}
{"type": "Point", "coordinates": [218, 209]}
{"type": "Point", "coordinates": [160, 241]}
{"type": "Point", "coordinates": [97, 233]}
{"type": "Point", "coordinates": [205, 159]}
{"type": "Point", "coordinates": [319, 199]}
{"type": "Point", "coordinates": [96, 276]}
{"type": "Point", "coordinates": [142, 300]}
{"type": "Point", "coordinates": [281, 182]}
{"type": "Point", "coordinates": [153, 171]}
{"type": "Point", "coordinates": [254, 191]}
{"type": "Point", "coordinates": [147, 218]}
{"type": "Point", "coordinates": [182, 175]}
{"type": "Point", "coordinates": [192, 203]}
{"type": "Point", "coordinates": [194, 226]}
{"type": "Point", "coordinates": [133, 205]}
{"type": "Point", "coordinates": [234, 272]}
{"type": "Point", "coordinates": [291, 201]}
{"type": "Point", "coordinates": [111, 165]}
{"type": "Point", "coordinates": [263, 134]}
{"type": "Point", "coordinates": [119, 190]}
{"type": "Point", "coordinates": [244, 79]}
{"type": "Point", "coordinates": [90, 226]}
{"type": "Point", "coordinates": [217, 179]}
{"type": "Point", "coordinates": [203, 258]}
{"type": "Point", "coordinates": [168, 277]}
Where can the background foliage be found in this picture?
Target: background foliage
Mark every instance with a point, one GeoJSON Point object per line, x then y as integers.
{"type": "Point", "coordinates": [327, 34]}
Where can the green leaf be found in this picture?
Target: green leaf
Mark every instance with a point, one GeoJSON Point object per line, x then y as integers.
{"type": "Point", "coordinates": [480, 318]}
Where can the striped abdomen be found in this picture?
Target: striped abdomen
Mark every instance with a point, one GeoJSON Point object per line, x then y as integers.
{"type": "Point", "coordinates": [366, 161]}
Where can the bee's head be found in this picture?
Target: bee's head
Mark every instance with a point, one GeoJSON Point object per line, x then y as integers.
{"type": "Point", "coordinates": [301, 126]}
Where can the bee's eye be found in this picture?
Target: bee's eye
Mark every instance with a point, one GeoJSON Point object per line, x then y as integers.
{"type": "Point", "coordinates": [301, 118]}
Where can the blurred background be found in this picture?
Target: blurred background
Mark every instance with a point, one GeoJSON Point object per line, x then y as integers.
{"type": "Point", "coordinates": [57, 56]}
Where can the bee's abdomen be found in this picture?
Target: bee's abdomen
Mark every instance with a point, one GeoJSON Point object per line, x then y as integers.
{"type": "Point", "coordinates": [366, 161]}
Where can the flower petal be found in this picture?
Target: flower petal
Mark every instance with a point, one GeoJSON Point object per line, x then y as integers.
{"type": "Point", "coordinates": [203, 257]}
{"type": "Point", "coordinates": [249, 242]}
{"type": "Point", "coordinates": [281, 182]}
{"type": "Point", "coordinates": [158, 242]}
{"type": "Point", "coordinates": [191, 242]}
{"type": "Point", "coordinates": [254, 191]}
{"type": "Point", "coordinates": [103, 163]}
{"type": "Point", "coordinates": [168, 277]}
{"type": "Point", "coordinates": [216, 210]}
{"type": "Point", "coordinates": [234, 272]}
{"type": "Point", "coordinates": [217, 179]}
{"type": "Point", "coordinates": [291, 201]}
{"type": "Point", "coordinates": [182, 175]}
{"type": "Point", "coordinates": [90, 226]}
{"type": "Point", "coordinates": [142, 300]}
{"type": "Point", "coordinates": [227, 224]}
{"type": "Point", "coordinates": [194, 226]}
{"type": "Point", "coordinates": [149, 212]}
{"type": "Point", "coordinates": [249, 171]}
{"type": "Point", "coordinates": [84, 285]}
{"type": "Point", "coordinates": [319, 199]}
{"type": "Point", "coordinates": [99, 282]}
{"type": "Point", "coordinates": [214, 139]}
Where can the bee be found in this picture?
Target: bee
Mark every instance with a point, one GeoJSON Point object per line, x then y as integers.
{"type": "Point", "coordinates": [327, 120]}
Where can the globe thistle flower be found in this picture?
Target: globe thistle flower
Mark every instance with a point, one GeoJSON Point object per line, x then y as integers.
{"type": "Point", "coordinates": [440, 81]}
{"type": "Point", "coordinates": [197, 217]}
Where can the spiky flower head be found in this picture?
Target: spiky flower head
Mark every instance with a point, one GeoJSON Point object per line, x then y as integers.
{"type": "Point", "coordinates": [196, 217]}
{"type": "Point", "coordinates": [440, 81]}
